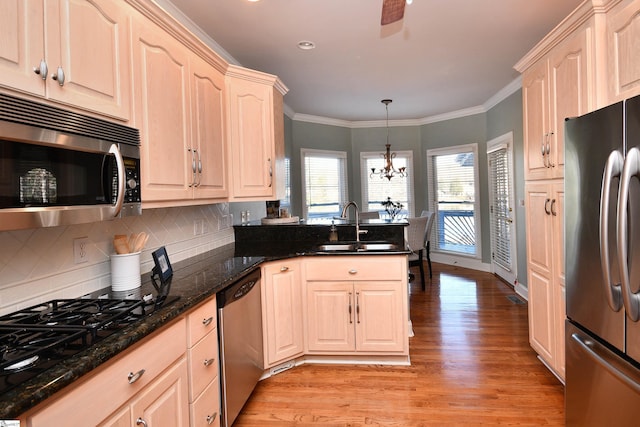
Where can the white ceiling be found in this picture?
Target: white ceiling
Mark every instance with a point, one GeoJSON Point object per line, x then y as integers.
{"type": "Point", "coordinates": [444, 56]}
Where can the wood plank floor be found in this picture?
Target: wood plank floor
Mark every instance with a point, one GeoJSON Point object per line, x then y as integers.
{"type": "Point", "coordinates": [471, 364]}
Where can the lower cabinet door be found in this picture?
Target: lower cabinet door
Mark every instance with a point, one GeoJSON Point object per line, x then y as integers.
{"type": "Point", "coordinates": [381, 321]}
{"type": "Point", "coordinates": [205, 411]}
{"type": "Point", "coordinates": [165, 402]}
{"type": "Point", "coordinates": [331, 316]}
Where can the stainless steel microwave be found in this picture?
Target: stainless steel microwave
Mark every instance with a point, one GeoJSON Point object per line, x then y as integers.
{"type": "Point", "coordinates": [59, 167]}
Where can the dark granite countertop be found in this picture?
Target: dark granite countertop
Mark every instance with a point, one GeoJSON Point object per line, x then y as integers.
{"type": "Point", "coordinates": [194, 280]}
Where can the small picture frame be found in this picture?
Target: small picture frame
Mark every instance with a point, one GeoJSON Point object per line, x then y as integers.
{"type": "Point", "coordinates": [162, 267]}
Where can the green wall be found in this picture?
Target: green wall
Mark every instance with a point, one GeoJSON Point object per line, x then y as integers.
{"type": "Point", "coordinates": [479, 128]}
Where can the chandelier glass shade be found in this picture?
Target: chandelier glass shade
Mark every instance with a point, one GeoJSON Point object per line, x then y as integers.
{"type": "Point", "coordinates": [388, 171]}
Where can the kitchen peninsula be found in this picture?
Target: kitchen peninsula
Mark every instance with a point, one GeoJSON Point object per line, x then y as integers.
{"type": "Point", "coordinates": [377, 282]}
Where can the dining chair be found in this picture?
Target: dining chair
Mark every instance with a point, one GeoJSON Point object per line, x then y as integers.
{"type": "Point", "coordinates": [416, 242]}
{"type": "Point", "coordinates": [427, 237]}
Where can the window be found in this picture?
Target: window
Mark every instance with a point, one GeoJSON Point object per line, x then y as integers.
{"type": "Point", "coordinates": [286, 202]}
{"type": "Point", "coordinates": [454, 197]}
{"type": "Point", "coordinates": [376, 190]}
{"type": "Point", "coordinates": [324, 183]}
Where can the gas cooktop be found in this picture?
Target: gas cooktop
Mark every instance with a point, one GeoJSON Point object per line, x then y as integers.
{"type": "Point", "coordinates": [37, 338]}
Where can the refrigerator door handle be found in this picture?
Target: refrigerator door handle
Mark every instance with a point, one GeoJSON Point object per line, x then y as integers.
{"type": "Point", "coordinates": [631, 168]}
{"type": "Point", "coordinates": [602, 357]}
{"type": "Point", "coordinates": [612, 169]}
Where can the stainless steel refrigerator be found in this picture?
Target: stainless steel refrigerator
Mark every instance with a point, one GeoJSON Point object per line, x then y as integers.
{"type": "Point", "coordinates": [602, 256]}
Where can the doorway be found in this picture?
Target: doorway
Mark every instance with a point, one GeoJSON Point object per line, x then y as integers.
{"type": "Point", "coordinates": [501, 207]}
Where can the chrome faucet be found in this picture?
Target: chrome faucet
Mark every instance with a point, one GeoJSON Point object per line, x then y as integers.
{"type": "Point", "coordinates": [344, 216]}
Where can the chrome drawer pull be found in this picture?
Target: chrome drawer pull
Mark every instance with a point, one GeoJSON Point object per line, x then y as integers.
{"type": "Point", "coordinates": [354, 271]}
{"type": "Point", "coordinates": [283, 269]}
{"type": "Point", "coordinates": [211, 418]}
{"type": "Point", "coordinates": [135, 377]}
{"type": "Point", "coordinates": [142, 422]}
{"type": "Point", "coordinates": [207, 322]}
{"type": "Point", "coordinates": [208, 362]}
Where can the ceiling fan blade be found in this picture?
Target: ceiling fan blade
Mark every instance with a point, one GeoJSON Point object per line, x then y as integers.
{"type": "Point", "coordinates": [392, 11]}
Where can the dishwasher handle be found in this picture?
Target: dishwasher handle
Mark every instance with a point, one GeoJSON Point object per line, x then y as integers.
{"type": "Point", "coordinates": [238, 289]}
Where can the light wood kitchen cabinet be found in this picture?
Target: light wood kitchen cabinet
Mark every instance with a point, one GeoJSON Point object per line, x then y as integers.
{"type": "Point", "coordinates": [282, 315]}
{"type": "Point", "coordinates": [145, 378]}
{"type": "Point", "coordinates": [203, 357]}
{"type": "Point", "coordinates": [357, 305]}
{"type": "Point", "coordinates": [58, 39]}
{"type": "Point", "coordinates": [160, 404]}
{"type": "Point", "coordinates": [555, 88]}
{"type": "Point", "coordinates": [623, 44]}
{"type": "Point", "coordinates": [545, 260]}
{"type": "Point", "coordinates": [179, 101]}
{"type": "Point", "coordinates": [256, 134]}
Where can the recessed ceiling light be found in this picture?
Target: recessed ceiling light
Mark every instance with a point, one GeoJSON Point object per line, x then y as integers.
{"type": "Point", "coordinates": [306, 45]}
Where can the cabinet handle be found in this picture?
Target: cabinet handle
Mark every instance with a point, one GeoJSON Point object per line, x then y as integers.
{"type": "Point", "coordinates": [193, 167]}
{"type": "Point", "coordinates": [59, 76]}
{"type": "Point", "coordinates": [546, 206]}
{"type": "Point", "coordinates": [211, 418]}
{"type": "Point", "coordinates": [283, 269]}
{"type": "Point", "coordinates": [553, 207]}
{"type": "Point", "coordinates": [353, 271]}
{"type": "Point", "coordinates": [42, 69]}
{"type": "Point", "coordinates": [548, 150]}
{"type": "Point", "coordinates": [270, 172]}
{"type": "Point", "coordinates": [350, 311]}
{"type": "Point", "coordinates": [357, 307]}
{"type": "Point", "coordinates": [135, 377]}
{"type": "Point", "coordinates": [543, 151]}
{"type": "Point", "coordinates": [207, 321]}
{"type": "Point", "coordinates": [141, 422]}
{"type": "Point", "coordinates": [208, 362]}
{"type": "Point", "coordinates": [199, 160]}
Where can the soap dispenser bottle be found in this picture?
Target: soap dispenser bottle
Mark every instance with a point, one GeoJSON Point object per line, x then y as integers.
{"type": "Point", "coordinates": [333, 232]}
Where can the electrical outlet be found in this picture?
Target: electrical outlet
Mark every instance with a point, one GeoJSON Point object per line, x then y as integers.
{"type": "Point", "coordinates": [198, 227]}
{"type": "Point", "coordinates": [81, 250]}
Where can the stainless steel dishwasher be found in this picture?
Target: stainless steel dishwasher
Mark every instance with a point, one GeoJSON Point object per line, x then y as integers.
{"type": "Point", "coordinates": [241, 353]}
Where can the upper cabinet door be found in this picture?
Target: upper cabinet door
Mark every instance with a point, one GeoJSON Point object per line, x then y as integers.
{"type": "Point", "coordinates": [535, 95]}
{"type": "Point", "coordinates": [623, 45]}
{"type": "Point", "coordinates": [568, 94]}
{"type": "Point", "coordinates": [251, 137]}
{"type": "Point", "coordinates": [209, 130]}
{"type": "Point", "coordinates": [22, 46]}
{"type": "Point", "coordinates": [88, 42]}
{"type": "Point", "coordinates": [162, 113]}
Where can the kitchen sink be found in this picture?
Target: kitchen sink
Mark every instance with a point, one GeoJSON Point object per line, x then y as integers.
{"type": "Point", "coordinates": [358, 247]}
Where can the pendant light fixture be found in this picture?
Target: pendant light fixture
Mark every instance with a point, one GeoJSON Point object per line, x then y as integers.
{"type": "Point", "coordinates": [388, 171]}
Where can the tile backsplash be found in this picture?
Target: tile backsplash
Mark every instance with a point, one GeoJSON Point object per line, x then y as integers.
{"type": "Point", "coordinates": [38, 264]}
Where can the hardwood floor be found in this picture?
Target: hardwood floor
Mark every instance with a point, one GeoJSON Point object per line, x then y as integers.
{"type": "Point", "coordinates": [471, 364]}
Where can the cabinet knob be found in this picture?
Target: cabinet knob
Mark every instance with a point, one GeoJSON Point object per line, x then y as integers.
{"type": "Point", "coordinates": [353, 271]}
{"type": "Point", "coordinates": [208, 362]}
{"type": "Point", "coordinates": [135, 377]}
{"type": "Point", "coordinates": [42, 69]}
{"type": "Point", "coordinates": [59, 76]}
{"type": "Point", "coordinates": [207, 321]}
{"type": "Point", "coordinates": [141, 422]}
{"type": "Point", "coordinates": [211, 418]}
{"type": "Point", "coordinates": [283, 269]}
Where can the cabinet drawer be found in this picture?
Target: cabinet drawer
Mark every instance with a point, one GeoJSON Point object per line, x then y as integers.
{"type": "Point", "coordinates": [201, 321]}
{"type": "Point", "coordinates": [153, 355]}
{"type": "Point", "coordinates": [205, 411]}
{"type": "Point", "coordinates": [355, 267]}
{"type": "Point", "coordinates": [203, 364]}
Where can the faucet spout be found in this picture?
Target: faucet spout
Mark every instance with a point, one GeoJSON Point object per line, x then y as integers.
{"type": "Point", "coordinates": [357, 210]}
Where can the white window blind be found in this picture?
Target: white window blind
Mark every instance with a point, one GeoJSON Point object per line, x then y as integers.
{"type": "Point", "coordinates": [453, 194]}
{"type": "Point", "coordinates": [501, 188]}
{"type": "Point", "coordinates": [324, 182]}
{"type": "Point", "coordinates": [376, 190]}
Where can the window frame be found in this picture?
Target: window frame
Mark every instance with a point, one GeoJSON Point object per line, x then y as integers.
{"type": "Point", "coordinates": [333, 154]}
{"type": "Point", "coordinates": [366, 171]}
{"type": "Point", "coordinates": [452, 150]}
